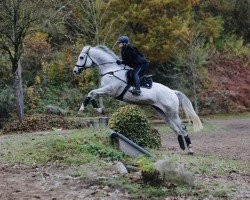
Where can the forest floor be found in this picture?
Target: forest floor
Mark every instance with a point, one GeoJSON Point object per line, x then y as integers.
{"type": "Point", "coordinates": [49, 181]}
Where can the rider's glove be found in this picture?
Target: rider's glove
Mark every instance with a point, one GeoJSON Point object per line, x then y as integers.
{"type": "Point", "coordinates": [119, 62]}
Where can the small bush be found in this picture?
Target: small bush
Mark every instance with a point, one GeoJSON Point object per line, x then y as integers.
{"type": "Point", "coordinates": [133, 123]}
{"type": "Point", "coordinates": [42, 123]}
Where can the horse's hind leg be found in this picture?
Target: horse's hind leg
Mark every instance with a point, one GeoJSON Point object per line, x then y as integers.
{"type": "Point", "coordinates": [183, 130]}
{"type": "Point", "coordinates": [178, 127]}
{"type": "Point", "coordinates": [167, 120]}
{"type": "Point", "coordinates": [173, 126]}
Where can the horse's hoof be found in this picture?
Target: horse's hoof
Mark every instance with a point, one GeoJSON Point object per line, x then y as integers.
{"type": "Point", "coordinates": [82, 108]}
{"type": "Point", "coordinates": [99, 110]}
{"type": "Point", "coordinates": [80, 111]}
{"type": "Point", "coordinates": [190, 153]}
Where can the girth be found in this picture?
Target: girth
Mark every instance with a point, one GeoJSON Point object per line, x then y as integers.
{"type": "Point", "coordinates": [120, 97]}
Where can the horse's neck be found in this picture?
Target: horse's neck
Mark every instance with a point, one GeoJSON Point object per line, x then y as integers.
{"type": "Point", "coordinates": [105, 62]}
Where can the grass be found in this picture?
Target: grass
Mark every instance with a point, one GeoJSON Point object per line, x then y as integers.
{"type": "Point", "coordinates": [76, 147]}
{"type": "Point", "coordinates": [225, 190]}
{"type": "Point", "coordinates": [208, 164]}
{"type": "Point", "coordinates": [90, 151]}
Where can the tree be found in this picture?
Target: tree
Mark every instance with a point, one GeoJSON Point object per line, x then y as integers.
{"type": "Point", "coordinates": [235, 14]}
{"type": "Point", "coordinates": [191, 58]}
{"type": "Point", "coordinates": [93, 22]}
{"type": "Point", "coordinates": [18, 18]}
{"type": "Point", "coordinates": [151, 25]}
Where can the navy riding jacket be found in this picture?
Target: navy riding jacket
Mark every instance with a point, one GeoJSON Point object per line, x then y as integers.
{"type": "Point", "coordinates": [132, 57]}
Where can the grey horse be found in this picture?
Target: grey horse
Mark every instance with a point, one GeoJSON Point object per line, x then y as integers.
{"type": "Point", "coordinates": [114, 82]}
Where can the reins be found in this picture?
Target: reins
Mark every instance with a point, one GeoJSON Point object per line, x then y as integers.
{"type": "Point", "coordinates": [112, 73]}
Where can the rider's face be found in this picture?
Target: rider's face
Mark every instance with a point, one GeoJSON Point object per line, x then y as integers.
{"type": "Point", "coordinates": [121, 45]}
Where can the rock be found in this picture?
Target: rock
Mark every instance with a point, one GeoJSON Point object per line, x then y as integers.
{"type": "Point", "coordinates": [173, 172]}
{"type": "Point", "coordinates": [55, 110]}
{"type": "Point", "coordinates": [121, 168]}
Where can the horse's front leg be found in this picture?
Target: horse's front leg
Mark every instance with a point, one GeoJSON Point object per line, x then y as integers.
{"type": "Point", "coordinates": [91, 99]}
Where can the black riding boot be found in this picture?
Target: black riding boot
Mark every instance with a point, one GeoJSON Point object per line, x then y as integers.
{"type": "Point", "coordinates": [136, 89]}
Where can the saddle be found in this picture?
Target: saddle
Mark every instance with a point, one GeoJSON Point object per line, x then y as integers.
{"type": "Point", "coordinates": [146, 81]}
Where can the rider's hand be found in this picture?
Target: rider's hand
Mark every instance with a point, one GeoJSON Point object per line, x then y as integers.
{"type": "Point", "coordinates": [118, 62]}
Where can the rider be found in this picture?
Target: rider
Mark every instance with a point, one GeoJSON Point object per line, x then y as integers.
{"type": "Point", "coordinates": [132, 57]}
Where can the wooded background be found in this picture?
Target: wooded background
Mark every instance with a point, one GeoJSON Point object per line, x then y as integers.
{"type": "Point", "coordinates": [200, 47]}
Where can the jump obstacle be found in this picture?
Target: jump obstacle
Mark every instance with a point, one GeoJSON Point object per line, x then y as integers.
{"type": "Point", "coordinates": [128, 146]}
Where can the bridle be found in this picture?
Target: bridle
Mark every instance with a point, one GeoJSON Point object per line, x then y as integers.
{"type": "Point", "coordinates": [82, 67]}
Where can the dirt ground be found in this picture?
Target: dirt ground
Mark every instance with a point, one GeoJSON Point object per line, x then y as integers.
{"type": "Point", "coordinates": [47, 182]}
{"type": "Point", "coordinates": [20, 182]}
{"type": "Point", "coordinates": [233, 143]}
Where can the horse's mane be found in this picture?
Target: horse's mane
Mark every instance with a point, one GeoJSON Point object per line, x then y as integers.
{"type": "Point", "coordinates": [107, 50]}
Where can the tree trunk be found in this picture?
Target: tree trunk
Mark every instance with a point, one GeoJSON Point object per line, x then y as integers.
{"type": "Point", "coordinates": [194, 86]}
{"type": "Point", "coordinates": [18, 90]}
{"type": "Point", "coordinates": [195, 95]}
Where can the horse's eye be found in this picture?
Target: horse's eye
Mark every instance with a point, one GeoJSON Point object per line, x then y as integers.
{"type": "Point", "coordinates": [81, 57]}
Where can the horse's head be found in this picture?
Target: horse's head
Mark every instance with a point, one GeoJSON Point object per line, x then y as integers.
{"type": "Point", "coordinates": [84, 61]}
{"type": "Point", "coordinates": [100, 55]}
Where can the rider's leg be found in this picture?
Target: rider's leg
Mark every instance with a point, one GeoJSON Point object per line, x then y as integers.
{"type": "Point", "coordinates": [137, 71]}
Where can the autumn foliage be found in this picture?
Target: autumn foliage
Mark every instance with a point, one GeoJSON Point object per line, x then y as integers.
{"type": "Point", "coordinates": [229, 90]}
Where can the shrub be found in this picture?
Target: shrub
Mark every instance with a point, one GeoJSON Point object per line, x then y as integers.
{"type": "Point", "coordinates": [42, 123]}
{"type": "Point", "coordinates": [133, 123]}
{"type": "Point", "coordinates": [229, 87]}
{"type": "Point", "coordinates": [233, 46]}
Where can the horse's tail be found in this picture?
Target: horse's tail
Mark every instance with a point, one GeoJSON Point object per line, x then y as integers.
{"type": "Point", "coordinates": [189, 111]}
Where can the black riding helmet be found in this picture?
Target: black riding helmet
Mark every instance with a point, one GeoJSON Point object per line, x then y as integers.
{"type": "Point", "coordinates": [123, 39]}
